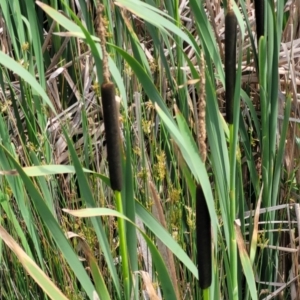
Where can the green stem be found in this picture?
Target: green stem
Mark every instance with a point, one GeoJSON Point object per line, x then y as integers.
{"type": "Point", "coordinates": [123, 245]}
{"type": "Point", "coordinates": [233, 245]}
{"type": "Point", "coordinates": [206, 294]}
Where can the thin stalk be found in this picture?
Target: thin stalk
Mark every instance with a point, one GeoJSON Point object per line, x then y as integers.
{"type": "Point", "coordinates": [206, 294]}
{"type": "Point", "coordinates": [232, 198]}
{"type": "Point", "coordinates": [123, 245]}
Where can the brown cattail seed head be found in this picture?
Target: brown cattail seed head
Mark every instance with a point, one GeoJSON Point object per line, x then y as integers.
{"type": "Point", "coordinates": [203, 232]}
{"type": "Point", "coordinates": [112, 129]}
{"type": "Point", "coordinates": [259, 17]}
{"type": "Point", "coordinates": [230, 62]}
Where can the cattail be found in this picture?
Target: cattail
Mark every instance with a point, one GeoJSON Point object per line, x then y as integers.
{"type": "Point", "coordinates": [110, 112]}
{"type": "Point", "coordinates": [204, 249]}
{"type": "Point", "coordinates": [112, 129]}
{"type": "Point", "coordinates": [230, 62]}
{"type": "Point", "coordinates": [259, 16]}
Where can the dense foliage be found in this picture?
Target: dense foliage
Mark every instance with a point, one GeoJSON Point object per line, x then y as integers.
{"type": "Point", "coordinates": [206, 115]}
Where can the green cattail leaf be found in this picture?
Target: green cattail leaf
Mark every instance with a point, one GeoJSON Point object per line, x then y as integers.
{"type": "Point", "coordinates": [245, 261]}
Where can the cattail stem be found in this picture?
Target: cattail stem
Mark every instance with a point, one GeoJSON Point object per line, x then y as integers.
{"type": "Point", "coordinates": [123, 246]}
{"type": "Point", "coordinates": [230, 81]}
{"type": "Point", "coordinates": [230, 62]}
{"type": "Point", "coordinates": [203, 227]}
{"type": "Point", "coordinates": [232, 198]}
